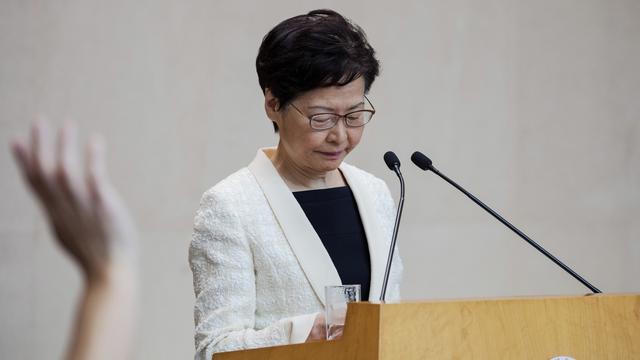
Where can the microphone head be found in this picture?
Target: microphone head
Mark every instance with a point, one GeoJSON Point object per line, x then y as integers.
{"type": "Point", "coordinates": [422, 161]}
{"type": "Point", "coordinates": [391, 160]}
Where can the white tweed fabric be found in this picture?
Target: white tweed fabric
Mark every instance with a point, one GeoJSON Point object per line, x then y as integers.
{"type": "Point", "coordinates": [254, 278]}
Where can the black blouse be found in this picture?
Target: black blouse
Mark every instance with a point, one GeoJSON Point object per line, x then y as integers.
{"type": "Point", "coordinates": [334, 215]}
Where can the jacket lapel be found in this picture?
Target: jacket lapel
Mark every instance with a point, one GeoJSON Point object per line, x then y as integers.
{"type": "Point", "coordinates": [302, 237]}
{"type": "Point", "coordinates": [376, 239]}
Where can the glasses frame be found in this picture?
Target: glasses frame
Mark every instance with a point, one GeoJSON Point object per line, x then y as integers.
{"type": "Point", "coordinates": [372, 111]}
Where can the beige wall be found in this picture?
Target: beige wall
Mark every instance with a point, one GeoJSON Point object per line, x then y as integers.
{"type": "Point", "coordinates": [534, 106]}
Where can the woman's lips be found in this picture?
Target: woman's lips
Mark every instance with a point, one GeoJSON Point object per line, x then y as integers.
{"type": "Point", "coordinates": [331, 155]}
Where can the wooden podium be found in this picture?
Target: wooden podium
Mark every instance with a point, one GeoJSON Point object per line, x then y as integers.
{"type": "Point", "coordinates": [580, 327]}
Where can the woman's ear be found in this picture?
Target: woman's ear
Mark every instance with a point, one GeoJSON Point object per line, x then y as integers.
{"type": "Point", "coordinates": [271, 105]}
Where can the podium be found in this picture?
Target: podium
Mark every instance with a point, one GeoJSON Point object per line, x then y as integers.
{"type": "Point", "coordinates": [580, 327]}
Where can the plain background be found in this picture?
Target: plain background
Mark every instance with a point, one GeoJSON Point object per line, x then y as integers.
{"type": "Point", "coordinates": [532, 105]}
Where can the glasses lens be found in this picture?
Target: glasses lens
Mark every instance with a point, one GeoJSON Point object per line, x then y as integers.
{"type": "Point", "coordinates": [327, 121]}
{"type": "Point", "coordinates": [359, 118]}
{"type": "Point", "coordinates": [323, 121]}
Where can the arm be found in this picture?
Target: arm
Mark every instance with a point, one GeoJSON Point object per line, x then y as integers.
{"type": "Point", "coordinates": [221, 260]}
{"type": "Point", "coordinates": [105, 319]}
{"type": "Point", "coordinates": [92, 225]}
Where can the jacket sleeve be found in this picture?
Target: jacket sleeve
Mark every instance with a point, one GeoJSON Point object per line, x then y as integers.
{"type": "Point", "coordinates": [224, 283]}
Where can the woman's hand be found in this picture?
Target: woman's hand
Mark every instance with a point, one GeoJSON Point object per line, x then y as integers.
{"type": "Point", "coordinates": [318, 330]}
{"type": "Point", "coordinates": [84, 211]}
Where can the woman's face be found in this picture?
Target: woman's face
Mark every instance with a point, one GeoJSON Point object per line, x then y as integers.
{"type": "Point", "coordinates": [315, 151]}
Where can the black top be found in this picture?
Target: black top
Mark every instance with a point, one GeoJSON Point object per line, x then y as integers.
{"type": "Point", "coordinates": [334, 215]}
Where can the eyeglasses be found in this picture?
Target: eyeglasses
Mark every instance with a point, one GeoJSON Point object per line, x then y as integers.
{"type": "Point", "coordinates": [325, 121]}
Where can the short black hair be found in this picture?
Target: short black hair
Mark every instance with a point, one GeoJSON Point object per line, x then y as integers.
{"type": "Point", "coordinates": [319, 49]}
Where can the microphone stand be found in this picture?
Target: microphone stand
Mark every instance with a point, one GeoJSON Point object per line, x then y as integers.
{"type": "Point", "coordinates": [396, 169]}
{"type": "Point", "coordinates": [428, 166]}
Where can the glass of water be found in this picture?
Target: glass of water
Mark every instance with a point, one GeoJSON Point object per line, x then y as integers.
{"type": "Point", "coordinates": [337, 297]}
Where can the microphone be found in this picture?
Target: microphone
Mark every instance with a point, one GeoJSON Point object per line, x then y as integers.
{"type": "Point", "coordinates": [391, 160]}
{"type": "Point", "coordinates": [394, 164]}
{"type": "Point", "coordinates": [424, 163]}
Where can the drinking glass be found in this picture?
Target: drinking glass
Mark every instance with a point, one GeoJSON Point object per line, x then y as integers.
{"type": "Point", "coordinates": [337, 297]}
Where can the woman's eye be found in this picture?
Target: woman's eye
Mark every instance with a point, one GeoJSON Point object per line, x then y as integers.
{"type": "Point", "coordinates": [321, 118]}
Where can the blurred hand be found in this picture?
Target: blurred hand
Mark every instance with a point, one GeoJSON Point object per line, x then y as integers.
{"type": "Point", "coordinates": [335, 332]}
{"type": "Point", "coordinates": [84, 211]}
{"type": "Point", "coordinates": [318, 330]}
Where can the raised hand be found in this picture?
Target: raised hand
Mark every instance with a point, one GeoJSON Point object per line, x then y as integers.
{"type": "Point", "coordinates": [85, 212]}
{"type": "Point", "coordinates": [92, 224]}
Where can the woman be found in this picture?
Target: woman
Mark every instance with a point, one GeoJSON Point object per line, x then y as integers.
{"type": "Point", "coordinates": [270, 237]}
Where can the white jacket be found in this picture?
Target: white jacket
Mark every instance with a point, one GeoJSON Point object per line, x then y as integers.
{"type": "Point", "coordinates": [259, 268]}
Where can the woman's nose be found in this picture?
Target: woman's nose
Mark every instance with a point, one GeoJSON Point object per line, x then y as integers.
{"type": "Point", "coordinates": [338, 133]}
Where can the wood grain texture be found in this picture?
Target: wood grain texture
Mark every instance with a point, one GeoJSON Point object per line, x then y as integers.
{"type": "Point", "coordinates": [583, 327]}
{"type": "Point", "coordinates": [360, 341]}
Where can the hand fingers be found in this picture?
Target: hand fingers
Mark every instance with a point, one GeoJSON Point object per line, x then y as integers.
{"type": "Point", "coordinates": [100, 191]}
{"type": "Point", "coordinates": [67, 167]}
{"type": "Point", "coordinates": [96, 168]}
{"type": "Point", "coordinates": [22, 158]}
{"type": "Point", "coordinates": [41, 160]}
{"type": "Point", "coordinates": [109, 207]}
{"type": "Point", "coordinates": [41, 147]}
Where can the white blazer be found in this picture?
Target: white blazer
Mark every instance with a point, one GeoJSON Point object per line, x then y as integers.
{"type": "Point", "coordinates": [259, 267]}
